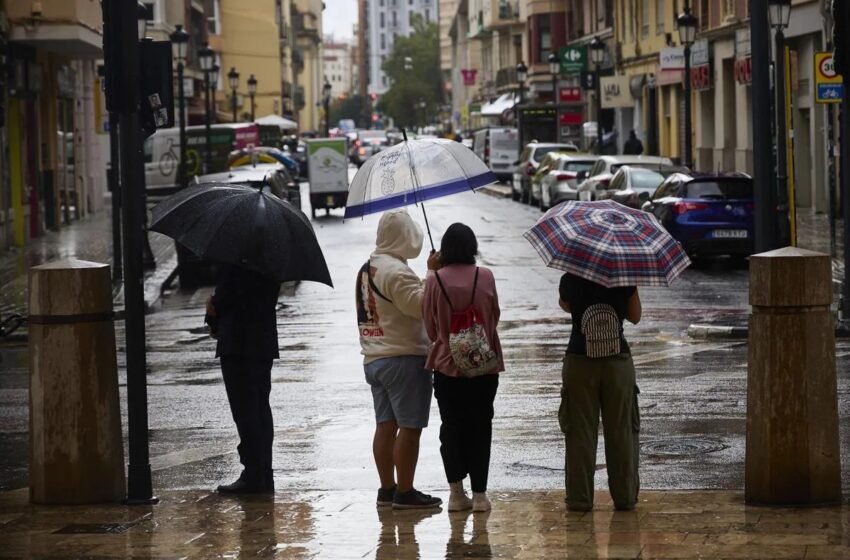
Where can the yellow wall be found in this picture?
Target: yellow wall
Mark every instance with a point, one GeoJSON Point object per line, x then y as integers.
{"type": "Point", "coordinates": [85, 12]}
{"type": "Point", "coordinates": [250, 43]}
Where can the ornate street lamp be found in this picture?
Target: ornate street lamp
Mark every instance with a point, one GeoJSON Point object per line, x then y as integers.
{"type": "Point", "coordinates": [252, 93]}
{"type": "Point", "coordinates": [326, 90]}
{"type": "Point", "coordinates": [554, 69]}
{"type": "Point", "coordinates": [206, 57]}
{"type": "Point", "coordinates": [233, 82]}
{"type": "Point", "coordinates": [687, 34]}
{"type": "Point", "coordinates": [779, 12]}
{"type": "Point", "coordinates": [215, 76]}
{"type": "Point", "coordinates": [521, 76]}
{"type": "Point", "coordinates": [597, 56]}
{"type": "Point", "coordinates": [179, 45]}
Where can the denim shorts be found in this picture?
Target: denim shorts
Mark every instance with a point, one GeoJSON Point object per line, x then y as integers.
{"type": "Point", "coordinates": [401, 390]}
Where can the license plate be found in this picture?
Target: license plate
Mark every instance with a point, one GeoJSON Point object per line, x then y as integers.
{"type": "Point", "coordinates": [329, 201]}
{"type": "Point", "coordinates": [729, 234]}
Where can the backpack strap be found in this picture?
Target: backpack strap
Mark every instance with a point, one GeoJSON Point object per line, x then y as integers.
{"type": "Point", "coordinates": [474, 285]}
{"type": "Point", "coordinates": [443, 289]}
{"type": "Point", "coordinates": [368, 267]}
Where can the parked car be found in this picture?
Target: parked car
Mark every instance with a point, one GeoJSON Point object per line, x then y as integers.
{"type": "Point", "coordinates": [632, 186]}
{"type": "Point", "coordinates": [497, 147]}
{"type": "Point", "coordinates": [595, 181]}
{"type": "Point", "coordinates": [194, 271]}
{"type": "Point", "coordinates": [708, 214]}
{"type": "Point", "coordinates": [558, 177]}
{"type": "Point", "coordinates": [367, 144]}
{"type": "Point", "coordinates": [263, 154]}
{"type": "Point", "coordinates": [529, 161]}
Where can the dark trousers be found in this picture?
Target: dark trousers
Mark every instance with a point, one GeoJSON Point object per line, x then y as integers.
{"type": "Point", "coordinates": [466, 411]}
{"type": "Point", "coordinates": [248, 384]}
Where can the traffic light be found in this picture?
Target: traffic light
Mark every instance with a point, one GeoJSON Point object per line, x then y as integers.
{"type": "Point", "coordinates": [374, 96]}
{"type": "Point", "coordinates": [841, 36]}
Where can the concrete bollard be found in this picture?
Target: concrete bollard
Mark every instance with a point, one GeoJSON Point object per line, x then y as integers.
{"type": "Point", "coordinates": [76, 446]}
{"type": "Point", "coordinates": [793, 455]}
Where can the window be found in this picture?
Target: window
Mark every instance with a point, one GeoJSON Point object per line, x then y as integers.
{"type": "Point", "coordinates": [383, 41]}
{"type": "Point", "coordinates": [544, 36]}
{"type": "Point", "coordinates": [382, 22]}
{"type": "Point", "coordinates": [644, 18]}
{"type": "Point", "coordinates": [149, 11]}
{"type": "Point", "coordinates": [410, 19]}
{"type": "Point", "coordinates": [427, 15]}
{"type": "Point", "coordinates": [395, 19]}
{"type": "Point", "coordinates": [659, 16]}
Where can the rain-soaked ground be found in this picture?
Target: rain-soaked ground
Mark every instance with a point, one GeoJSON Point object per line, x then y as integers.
{"type": "Point", "coordinates": [693, 394]}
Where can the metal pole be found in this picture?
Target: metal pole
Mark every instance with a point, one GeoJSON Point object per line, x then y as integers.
{"type": "Point", "coordinates": [686, 157]}
{"type": "Point", "coordinates": [763, 168]}
{"type": "Point", "coordinates": [115, 186]}
{"type": "Point", "coordinates": [233, 104]}
{"type": "Point", "coordinates": [183, 180]}
{"type": "Point", "coordinates": [121, 35]}
{"type": "Point", "coordinates": [253, 107]}
{"type": "Point", "coordinates": [555, 103]}
{"type": "Point", "coordinates": [845, 193]}
{"type": "Point", "coordinates": [207, 130]}
{"type": "Point", "coordinates": [599, 109]}
{"type": "Point", "coordinates": [781, 130]}
{"type": "Point", "coordinates": [327, 116]}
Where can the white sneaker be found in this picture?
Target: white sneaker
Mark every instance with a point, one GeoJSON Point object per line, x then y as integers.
{"type": "Point", "coordinates": [480, 502]}
{"type": "Point", "coordinates": [459, 501]}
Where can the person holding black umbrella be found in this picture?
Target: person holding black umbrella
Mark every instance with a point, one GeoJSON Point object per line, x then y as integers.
{"type": "Point", "coordinates": [242, 317]}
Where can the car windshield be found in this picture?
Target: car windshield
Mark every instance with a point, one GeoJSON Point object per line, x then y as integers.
{"type": "Point", "coordinates": [644, 180]}
{"type": "Point", "coordinates": [540, 153]}
{"type": "Point", "coordinates": [576, 166]}
{"type": "Point", "coordinates": [719, 189]}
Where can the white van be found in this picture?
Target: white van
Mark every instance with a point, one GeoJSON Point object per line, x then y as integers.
{"type": "Point", "coordinates": [499, 149]}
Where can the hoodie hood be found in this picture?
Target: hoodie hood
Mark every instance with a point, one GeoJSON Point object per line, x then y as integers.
{"type": "Point", "coordinates": [399, 236]}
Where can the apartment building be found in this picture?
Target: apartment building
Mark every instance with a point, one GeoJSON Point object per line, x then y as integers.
{"type": "Point", "coordinates": [337, 67]}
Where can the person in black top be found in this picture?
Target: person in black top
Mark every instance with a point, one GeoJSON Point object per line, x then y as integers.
{"type": "Point", "coordinates": [633, 146]}
{"type": "Point", "coordinates": [599, 376]}
{"type": "Point", "coordinates": [242, 314]}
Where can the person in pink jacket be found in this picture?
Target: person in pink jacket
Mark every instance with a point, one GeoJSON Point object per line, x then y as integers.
{"type": "Point", "coordinates": [465, 402]}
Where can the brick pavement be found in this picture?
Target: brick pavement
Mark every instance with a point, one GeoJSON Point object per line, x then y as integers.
{"type": "Point", "coordinates": [341, 525]}
{"type": "Point", "coordinates": [88, 239]}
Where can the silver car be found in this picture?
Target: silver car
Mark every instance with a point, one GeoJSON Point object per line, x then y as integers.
{"type": "Point", "coordinates": [560, 182]}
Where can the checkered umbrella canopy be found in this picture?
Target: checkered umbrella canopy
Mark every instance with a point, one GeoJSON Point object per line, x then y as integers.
{"type": "Point", "coordinates": [608, 243]}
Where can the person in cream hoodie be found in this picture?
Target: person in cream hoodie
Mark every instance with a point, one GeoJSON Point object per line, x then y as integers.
{"type": "Point", "coordinates": [394, 345]}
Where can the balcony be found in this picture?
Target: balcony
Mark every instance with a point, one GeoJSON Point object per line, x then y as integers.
{"type": "Point", "coordinates": [508, 11]}
{"type": "Point", "coordinates": [506, 77]}
{"type": "Point", "coordinates": [73, 28]}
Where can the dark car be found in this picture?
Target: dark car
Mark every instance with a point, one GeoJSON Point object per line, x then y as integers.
{"type": "Point", "coordinates": [709, 215]}
{"type": "Point", "coordinates": [194, 271]}
{"type": "Point", "coordinates": [367, 144]}
{"type": "Point", "coordinates": [632, 186]}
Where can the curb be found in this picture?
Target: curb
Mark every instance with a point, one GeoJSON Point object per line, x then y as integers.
{"type": "Point", "coordinates": [497, 191]}
{"type": "Point", "coordinates": [729, 332]}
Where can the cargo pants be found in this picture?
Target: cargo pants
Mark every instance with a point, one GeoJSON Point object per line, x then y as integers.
{"type": "Point", "coordinates": [591, 386]}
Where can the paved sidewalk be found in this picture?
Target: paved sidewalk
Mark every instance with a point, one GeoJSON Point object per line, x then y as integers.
{"type": "Point", "coordinates": [88, 239]}
{"type": "Point", "coordinates": [343, 525]}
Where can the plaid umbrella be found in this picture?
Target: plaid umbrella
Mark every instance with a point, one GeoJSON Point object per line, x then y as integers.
{"type": "Point", "coordinates": [608, 243]}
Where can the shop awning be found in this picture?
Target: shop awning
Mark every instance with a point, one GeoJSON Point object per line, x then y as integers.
{"type": "Point", "coordinates": [500, 105]}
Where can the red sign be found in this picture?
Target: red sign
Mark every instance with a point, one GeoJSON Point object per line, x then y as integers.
{"type": "Point", "coordinates": [570, 119]}
{"type": "Point", "coordinates": [701, 77]}
{"type": "Point", "coordinates": [469, 76]}
{"type": "Point", "coordinates": [744, 70]}
{"type": "Point", "coordinates": [570, 95]}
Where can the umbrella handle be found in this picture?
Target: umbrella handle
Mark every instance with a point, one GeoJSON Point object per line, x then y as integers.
{"type": "Point", "coordinates": [427, 226]}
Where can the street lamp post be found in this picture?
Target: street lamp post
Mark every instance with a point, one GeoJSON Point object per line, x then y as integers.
{"type": "Point", "coordinates": [687, 33]}
{"type": "Point", "coordinates": [779, 13]}
{"type": "Point", "coordinates": [148, 261]}
{"type": "Point", "coordinates": [554, 68]}
{"type": "Point", "coordinates": [206, 57]}
{"type": "Point", "coordinates": [233, 82]}
{"type": "Point", "coordinates": [597, 56]}
{"type": "Point", "coordinates": [252, 93]}
{"type": "Point", "coordinates": [521, 76]}
{"type": "Point", "coordinates": [326, 91]}
{"type": "Point", "coordinates": [179, 43]}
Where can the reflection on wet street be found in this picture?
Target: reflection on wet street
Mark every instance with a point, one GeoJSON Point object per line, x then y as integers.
{"type": "Point", "coordinates": [346, 525]}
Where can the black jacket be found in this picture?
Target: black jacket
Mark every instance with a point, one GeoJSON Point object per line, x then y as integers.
{"type": "Point", "coordinates": [633, 147]}
{"type": "Point", "coordinates": [246, 314]}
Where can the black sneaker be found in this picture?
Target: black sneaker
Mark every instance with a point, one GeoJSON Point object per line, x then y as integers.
{"type": "Point", "coordinates": [242, 486]}
{"type": "Point", "coordinates": [385, 496]}
{"type": "Point", "coordinates": [414, 499]}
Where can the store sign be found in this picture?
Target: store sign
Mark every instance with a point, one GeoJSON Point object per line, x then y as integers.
{"type": "Point", "coordinates": [700, 53]}
{"type": "Point", "coordinates": [671, 58]}
{"type": "Point", "coordinates": [615, 92]}
{"type": "Point", "coordinates": [570, 118]}
{"type": "Point", "coordinates": [829, 86]}
{"type": "Point", "coordinates": [188, 88]}
{"type": "Point", "coordinates": [573, 59]}
{"type": "Point", "coordinates": [570, 95]}
{"type": "Point", "coordinates": [700, 66]}
{"type": "Point", "coordinates": [469, 76]}
{"type": "Point", "coordinates": [743, 60]}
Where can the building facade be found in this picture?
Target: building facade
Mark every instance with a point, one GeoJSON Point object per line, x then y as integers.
{"type": "Point", "coordinates": [388, 20]}
{"type": "Point", "coordinates": [307, 62]}
{"type": "Point", "coordinates": [337, 67]}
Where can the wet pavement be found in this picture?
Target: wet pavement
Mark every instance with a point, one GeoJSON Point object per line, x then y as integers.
{"type": "Point", "coordinates": [347, 525]}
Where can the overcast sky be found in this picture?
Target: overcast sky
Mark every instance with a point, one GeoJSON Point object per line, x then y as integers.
{"type": "Point", "coordinates": [339, 17]}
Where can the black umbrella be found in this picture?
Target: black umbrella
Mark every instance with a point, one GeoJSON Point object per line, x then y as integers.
{"type": "Point", "coordinates": [244, 226]}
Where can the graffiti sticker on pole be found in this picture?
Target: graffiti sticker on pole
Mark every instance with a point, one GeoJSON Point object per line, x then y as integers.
{"type": "Point", "coordinates": [829, 87]}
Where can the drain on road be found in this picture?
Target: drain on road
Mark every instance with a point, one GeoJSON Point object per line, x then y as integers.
{"type": "Point", "coordinates": [682, 447]}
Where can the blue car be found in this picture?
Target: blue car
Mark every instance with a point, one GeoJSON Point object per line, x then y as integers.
{"type": "Point", "coordinates": [710, 215]}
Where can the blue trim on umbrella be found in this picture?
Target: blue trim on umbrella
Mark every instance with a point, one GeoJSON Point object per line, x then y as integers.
{"type": "Point", "coordinates": [420, 195]}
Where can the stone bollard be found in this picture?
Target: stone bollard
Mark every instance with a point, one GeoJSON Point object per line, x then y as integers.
{"type": "Point", "coordinates": [76, 447]}
{"type": "Point", "coordinates": [793, 453]}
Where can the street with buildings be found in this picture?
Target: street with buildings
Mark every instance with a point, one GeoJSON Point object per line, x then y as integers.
{"type": "Point", "coordinates": [282, 96]}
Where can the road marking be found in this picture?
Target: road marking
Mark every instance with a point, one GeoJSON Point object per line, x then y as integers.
{"type": "Point", "coordinates": [661, 355]}
{"type": "Point", "coordinates": [185, 456]}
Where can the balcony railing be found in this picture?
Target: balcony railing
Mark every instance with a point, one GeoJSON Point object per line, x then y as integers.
{"type": "Point", "coordinates": [506, 77]}
{"type": "Point", "coordinates": [508, 10]}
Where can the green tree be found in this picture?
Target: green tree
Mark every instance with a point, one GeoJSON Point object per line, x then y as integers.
{"type": "Point", "coordinates": [350, 107]}
{"type": "Point", "coordinates": [413, 70]}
